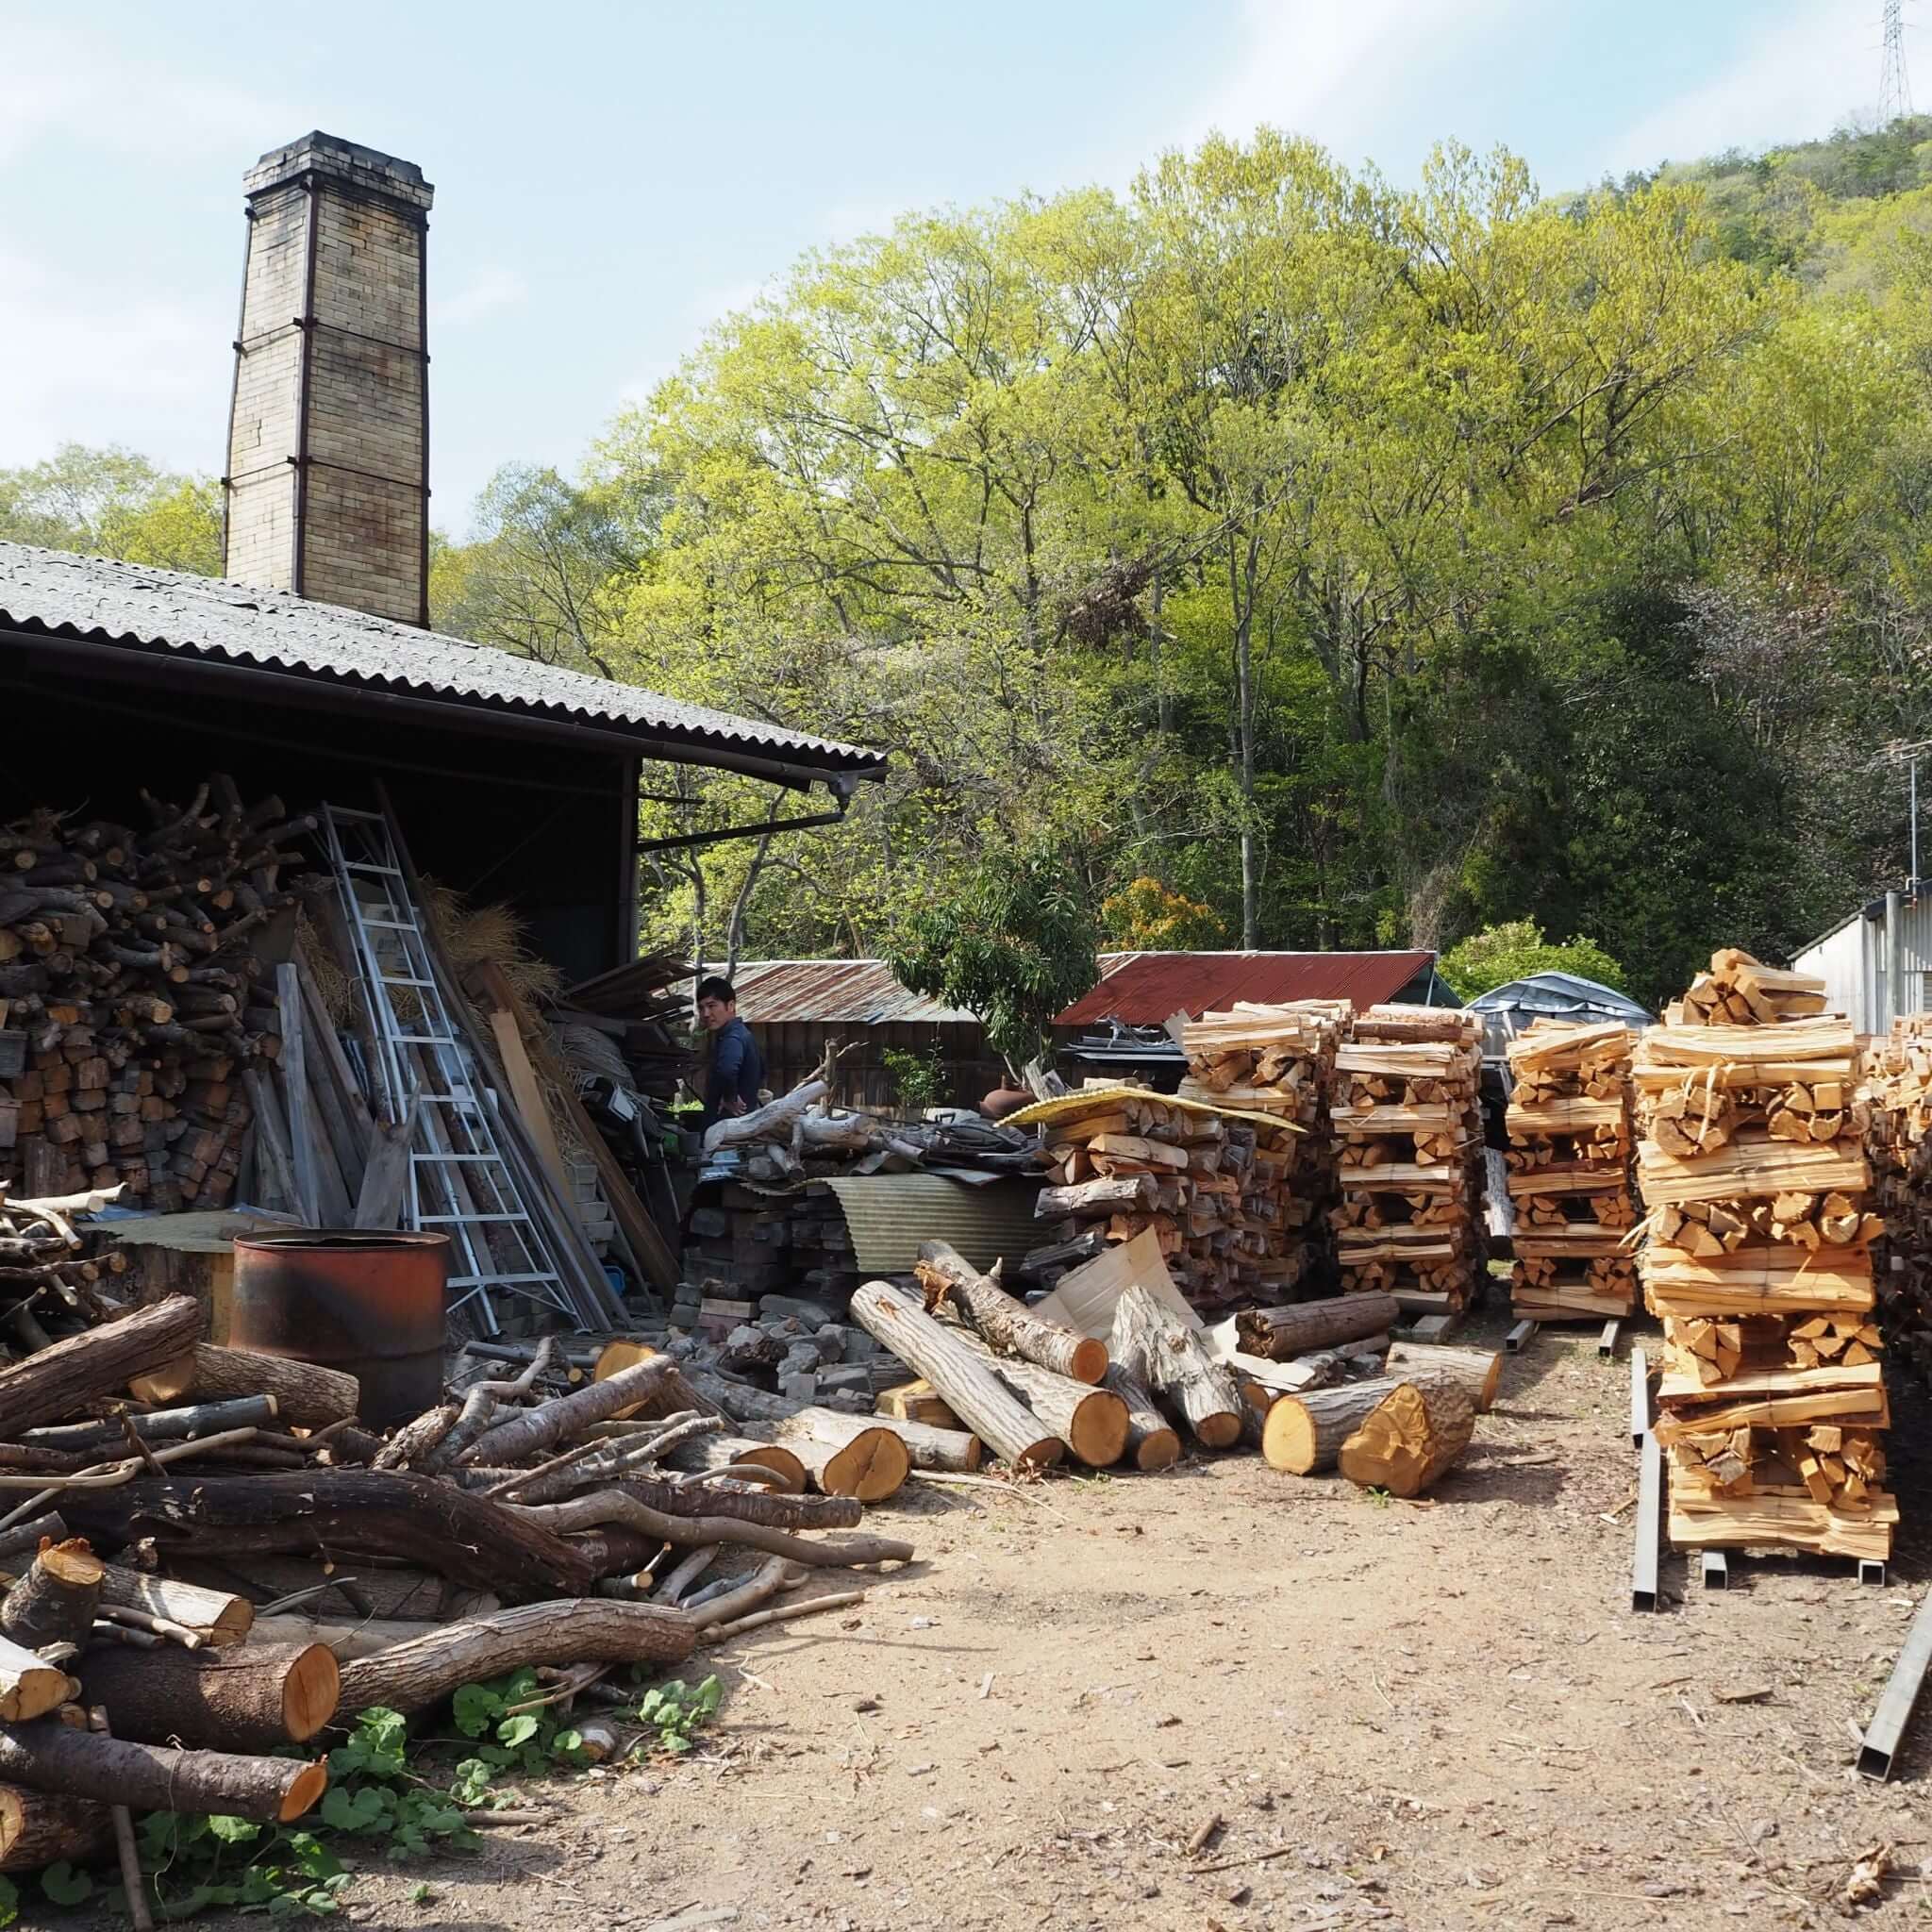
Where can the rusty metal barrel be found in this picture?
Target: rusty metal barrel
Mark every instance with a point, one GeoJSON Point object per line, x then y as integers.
{"type": "Point", "coordinates": [361, 1300]}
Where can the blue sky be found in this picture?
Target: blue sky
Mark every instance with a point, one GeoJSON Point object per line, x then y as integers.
{"type": "Point", "coordinates": [612, 177]}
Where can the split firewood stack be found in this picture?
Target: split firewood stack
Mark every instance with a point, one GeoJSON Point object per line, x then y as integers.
{"type": "Point", "coordinates": [1210, 1183]}
{"type": "Point", "coordinates": [225, 1576]}
{"type": "Point", "coordinates": [130, 1008]}
{"type": "Point", "coordinates": [1759, 1262]}
{"type": "Point", "coordinates": [1898, 1143]}
{"type": "Point", "coordinates": [1276, 1060]}
{"type": "Point", "coordinates": [1404, 1101]}
{"type": "Point", "coordinates": [1568, 1171]}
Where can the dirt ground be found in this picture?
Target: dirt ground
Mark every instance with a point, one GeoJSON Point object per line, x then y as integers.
{"type": "Point", "coordinates": [1418, 1717]}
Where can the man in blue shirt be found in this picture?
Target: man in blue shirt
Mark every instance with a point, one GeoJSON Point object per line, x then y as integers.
{"type": "Point", "coordinates": [738, 1069]}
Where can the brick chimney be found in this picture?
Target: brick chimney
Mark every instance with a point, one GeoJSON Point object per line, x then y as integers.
{"type": "Point", "coordinates": [328, 488]}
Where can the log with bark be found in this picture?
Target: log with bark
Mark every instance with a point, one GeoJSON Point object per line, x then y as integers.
{"type": "Point", "coordinates": [52, 1757]}
{"type": "Point", "coordinates": [60, 1381]}
{"type": "Point", "coordinates": [253, 1697]}
{"type": "Point", "coordinates": [411, 1676]}
{"type": "Point", "coordinates": [856, 1456]}
{"type": "Point", "coordinates": [1479, 1369]}
{"type": "Point", "coordinates": [436, 1525]}
{"type": "Point", "coordinates": [614, 1507]}
{"type": "Point", "coordinates": [1008, 1325]}
{"type": "Point", "coordinates": [946, 1359]}
{"type": "Point", "coordinates": [40, 1828]}
{"type": "Point", "coordinates": [562, 1418]}
{"type": "Point", "coordinates": [1301, 1328]}
{"type": "Point", "coordinates": [1151, 1443]}
{"type": "Point", "coordinates": [54, 1601]}
{"type": "Point", "coordinates": [1411, 1437]}
{"type": "Point", "coordinates": [1154, 1348]}
{"type": "Point", "coordinates": [159, 1425]}
{"type": "Point", "coordinates": [931, 1447]}
{"type": "Point", "coordinates": [740, 1130]}
{"type": "Point", "coordinates": [26, 1538]}
{"type": "Point", "coordinates": [306, 1394]}
{"type": "Point", "coordinates": [1303, 1433]}
{"type": "Point", "coordinates": [1092, 1423]}
{"type": "Point", "coordinates": [219, 1616]}
{"type": "Point", "coordinates": [721, 1455]}
{"type": "Point", "coordinates": [29, 1686]}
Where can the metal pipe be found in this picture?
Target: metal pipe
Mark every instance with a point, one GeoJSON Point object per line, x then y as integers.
{"type": "Point", "coordinates": [1894, 959]}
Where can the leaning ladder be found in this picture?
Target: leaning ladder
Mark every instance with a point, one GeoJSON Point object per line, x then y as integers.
{"type": "Point", "coordinates": [459, 1184]}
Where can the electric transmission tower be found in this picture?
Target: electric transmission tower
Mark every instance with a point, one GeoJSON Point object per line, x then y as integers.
{"type": "Point", "coordinates": [1894, 85]}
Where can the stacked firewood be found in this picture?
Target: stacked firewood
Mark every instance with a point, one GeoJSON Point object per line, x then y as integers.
{"type": "Point", "coordinates": [159, 1494]}
{"type": "Point", "coordinates": [1898, 1143]}
{"type": "Point", "coordinates": [1277, 1060]}
{"type": "Point", "coordinates": [1405, 1100]}
{"type": "Point", "coordinates": [1212, 1183]}
{"type": "Point", "coordinates": [1759, 1262]}
{"type": "Point", "coordinates": [1569, 1171]}
{"type": "Point", "coordinates": [129, 1011]}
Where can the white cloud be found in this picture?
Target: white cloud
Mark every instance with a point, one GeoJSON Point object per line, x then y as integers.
{"type": "Point", "coordinates": [110, 366]}
{"type": "Point", "coordinates": [1799, 74]}
{"type": "Point", "coordinates": [57, 80]}
{"type": "Point", "coordinates": [1340, 74]}
{"type": "Point", "coordinates": [490, 290]}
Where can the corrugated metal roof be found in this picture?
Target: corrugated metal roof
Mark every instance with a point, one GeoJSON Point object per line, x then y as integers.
{"type": "Point", "coordinates": [97, 599]}
{"type": "Point", "coordinates": [889, 1214]}
{"type": "Point", "coordinates": [852, 993]}
{"type": "Point", "coordinates": [1147, 988]}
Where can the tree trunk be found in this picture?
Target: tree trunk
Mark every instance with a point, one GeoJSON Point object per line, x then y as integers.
{"type": "Point", "coordinates": [931, 1447]}
{"type": "Point", "coordinates": [413, 1444]}
{"type": "Point", "coordinates": [1302, 1327]}
{"type": "Point", "coordinates": [38, 1827]}
{"type": "Point", "coordinates": [1150, 1343]}
{"type": "Point", "coordinates": [949, 1362]}
{"type": "Point", "coordinates": [218, 1617]}
{"type": "Point", "coordinates": [1150, 1441]}
{"type": "Point", "coordinates": [739, 1129]}
{"type": "Point", "coordinates": [452, 1531]}
{"type": "Point", "coordinates": [54, 1601]}
{"type": "Point", "coordinates": [28, 1686]}
{"type": "Point", "coordinates": [553, 1422]}
{"type": "Point", "coordinates": [257, 1697]}
{"type": "Point", "coordinates": [722, 1454]}
{"type": "Point", "coordinates": [345, 1641]}
{"type": "Point", "coordinates": [1305, 1432]}
{"type": "Point", "coordinates": [162, 1425]}
{"type": "Point", "coordinates": [60, 1381]}
{"type": "Point", "coordinates": [614, 1507]}
{"type": "Point", "coordinates": [411, 1676]}
{"type": "Point", "coordinates": [1092, 1423]}
{"type": "Point", "coordinates": [307, 1395]}
{"type": "Point", "coordinates": [1006, 1323]}
{"type": "Point", "coordinates": [1479, 1370]}
{"type": "Point", "coordinates": [833, 1511]}
{"type": "Point", "coordinates": [856, 1456]}
{"type": "Point", "coordinates": [146, 1777]}
{"type": "Point", "coordinates": [26, 1538]}
{"type": "Point", "coordinates": [740, 1402]}
{"type": "Point", "coordinates": [1411, 1437]}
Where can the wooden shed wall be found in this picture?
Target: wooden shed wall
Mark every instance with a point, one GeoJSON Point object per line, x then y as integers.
{"type": "Point", "coordinates": [794, 1048]}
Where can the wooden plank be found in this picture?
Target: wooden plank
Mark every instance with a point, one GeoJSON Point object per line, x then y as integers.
{"type": "Point", "coordinates": [321, 1199]}
{"type": "Point", "coordinates": [386, 1179]}
{"type": "Point", "coordinates": [1650, 1490]}
{"type": "Point", "coordinates": [528, 1096]}
{"type": "Point", "coordinates": [273, 1158]}
{"type": "Point", "coordinates": [345, 1113]}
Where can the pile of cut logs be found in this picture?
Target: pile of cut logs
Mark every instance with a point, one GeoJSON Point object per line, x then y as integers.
{"type": "Point", "coordinates": [129, 1010]}
{"type": "Point", "coordinates": [1898, 1088]}
{"type": "Point", "coordinates": [1277, 1060]}
{"type": "Point", "coordinates": [158, 1494]}
{"type": "Point", "coordinates": [1209, 1183]}
{"type": "Point", "coordinates": [1759, 1262]}
{"type": "Point", "coordinates": [1569, 1171]}
{"type": "Point", "coordinates": [1405, 1102]}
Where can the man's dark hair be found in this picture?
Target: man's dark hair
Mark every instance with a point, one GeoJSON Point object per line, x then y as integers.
{"type": "Point", "coordinates": [717, 988]}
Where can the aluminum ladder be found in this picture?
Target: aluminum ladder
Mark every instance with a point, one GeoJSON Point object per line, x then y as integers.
{"type": "Point", "coordinates": [459, 1184]}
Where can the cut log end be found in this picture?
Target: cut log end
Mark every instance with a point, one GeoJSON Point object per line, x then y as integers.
{"type": "Point", "coordinates": [305, 1789]}
{"type": "Point", "coordinates": [872, 1466]}
{"type": "Point", "coordinates": [1222, 1430]}
{"type": "Point", "coordinates": [1088, 1361]}
{"type": "Point", "coordinates": [1158, 1449]}
{"type": "Point", "coordinates": [309, 1693]}
{"type": "Point", "coordinates": [1411, 1437]}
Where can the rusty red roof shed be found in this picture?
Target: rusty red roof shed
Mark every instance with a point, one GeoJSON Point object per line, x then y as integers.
{"type": "Point", "coordinates": [1148, 989]}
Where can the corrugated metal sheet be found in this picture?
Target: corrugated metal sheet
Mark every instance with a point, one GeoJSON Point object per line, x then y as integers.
{"type": "Point", "coordinates": [889, 1214]}
{"type": "Point", "coordinates": [98, 599]}
{"type": "Point", "coordinates": [1147, 988]}
{"type": "Point", "coordinates": [1510, 1010]}
{"type": "Point", "coordinates": [772, 992]}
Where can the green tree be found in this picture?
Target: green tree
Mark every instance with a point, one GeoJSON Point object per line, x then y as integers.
{"type": "Point", "coordinates": [1013, 948]}
{"type": "Point", "coordinates": [114, 503]}
{"type": "Point", "coordinates": [1499, 954]}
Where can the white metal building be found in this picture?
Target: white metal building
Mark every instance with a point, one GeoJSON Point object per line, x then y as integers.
{"type": "Point", "coordinates": [1875, 964]}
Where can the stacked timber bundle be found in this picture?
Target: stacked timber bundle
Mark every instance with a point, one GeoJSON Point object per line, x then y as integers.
{"type": "Point", "coordinates": [130, 1017]}
{"type": "Point", "coordinates": [1569, 1171]}
{"type": "Point", "coordinates": [1406, 1107]}
{"type": "Point", "coordinates": [1212, 1185]}
{"type": "Point", "coordinates": [1277, 1060]}
{"type": "Point", "coordinates": [221, 1576]}
{"type": "Point", "coordinates": [1759, 1262]}
{"type": "Point", "coordinates": [1899, 1142]}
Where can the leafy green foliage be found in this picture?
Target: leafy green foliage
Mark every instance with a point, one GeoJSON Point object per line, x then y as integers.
{"type": "Point", "coordinates": [918, 1079]}
{"type": "Point", "coordinates": [1013, 946]}
{"type": "Point", "coordinates": [112, 503]}
{"type": "Point", "coordinates": [64, 1885]}
{"type": "Point", "coordinates": [1146, 917]}
{"type": "Point", "coordinates": [10, 1901]}
{"type": "Point", "coordinates": [1499, 954]}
